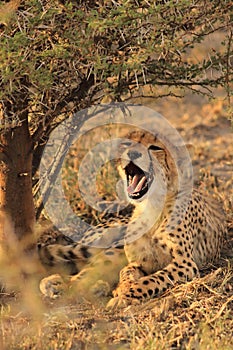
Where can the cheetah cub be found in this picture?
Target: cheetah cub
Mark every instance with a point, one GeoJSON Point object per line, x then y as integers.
{"type": "Point", "coordinates": [174, 231]}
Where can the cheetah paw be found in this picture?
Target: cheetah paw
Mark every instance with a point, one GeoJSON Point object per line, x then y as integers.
{"type": "Point", "coordinates": [100, 289]}
{"type": "Point", "coordinates": [53, 286]}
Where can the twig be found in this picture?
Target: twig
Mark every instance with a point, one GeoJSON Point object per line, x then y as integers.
{"type": "Point", "coordinates": [219, 313]}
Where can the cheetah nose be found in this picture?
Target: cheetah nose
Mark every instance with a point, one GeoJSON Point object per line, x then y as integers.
{"type": "Point", "coordinates": [133, 155]}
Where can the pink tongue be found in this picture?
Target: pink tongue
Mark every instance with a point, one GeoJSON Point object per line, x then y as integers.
{"type": "Point", "coordinates": [136, 186]}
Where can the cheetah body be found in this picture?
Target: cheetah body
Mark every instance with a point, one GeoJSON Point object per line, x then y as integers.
{"type": "Point", "coordinates": [177, 238]}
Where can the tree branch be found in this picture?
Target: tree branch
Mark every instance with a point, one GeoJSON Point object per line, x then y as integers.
{"type": "Point", "coordinates": [77, 94]}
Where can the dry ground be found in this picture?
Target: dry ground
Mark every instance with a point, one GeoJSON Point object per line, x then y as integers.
{"type": "Point", "coordinates": [197, 315]}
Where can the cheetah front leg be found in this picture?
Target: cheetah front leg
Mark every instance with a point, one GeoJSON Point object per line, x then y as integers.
{"type": "Point", "coordinates": [134, 287]}
{"type": "Point", "coordinates": [96, 278]}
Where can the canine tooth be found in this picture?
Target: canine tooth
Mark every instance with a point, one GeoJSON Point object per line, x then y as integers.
{"type": "Point", "coordinates": [140, 184]}
{"type": "Point", "coordinates": [133, 184]}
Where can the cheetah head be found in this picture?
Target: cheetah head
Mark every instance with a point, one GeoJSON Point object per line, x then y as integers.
{"type": "Point", "coordinates": [149, 169]}
{"type": "Point", "coordinates": [143, 166]}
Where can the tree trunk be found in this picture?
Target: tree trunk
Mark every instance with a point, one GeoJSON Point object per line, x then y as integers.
{"type": "Point", "coordinates": [16, 198]}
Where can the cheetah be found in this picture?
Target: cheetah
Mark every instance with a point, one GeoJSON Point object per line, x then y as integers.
{"type": "Point", "coordinates": [172, 234]}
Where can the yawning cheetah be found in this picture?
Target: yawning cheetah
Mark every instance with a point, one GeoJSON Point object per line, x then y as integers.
{"type": "Point", "coordinates": [168, 239]}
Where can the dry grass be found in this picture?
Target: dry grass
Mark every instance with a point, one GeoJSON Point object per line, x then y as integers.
{"type": "Point", "coordinates": [197, 315]}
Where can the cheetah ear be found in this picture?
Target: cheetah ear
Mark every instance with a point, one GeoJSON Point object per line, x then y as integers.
{"type": "Point", "coordinates": [158, 152]}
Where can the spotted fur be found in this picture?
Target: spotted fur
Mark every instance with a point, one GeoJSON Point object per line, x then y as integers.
{"type": "Point", "coordinates": [181, 239]}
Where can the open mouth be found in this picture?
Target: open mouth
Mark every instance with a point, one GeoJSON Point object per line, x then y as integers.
{"type": "Point", "coordinates": [138, 181]}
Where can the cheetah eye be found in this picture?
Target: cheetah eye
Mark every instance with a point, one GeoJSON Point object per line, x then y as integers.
{"type": "Point", "coordinates": [125, 144]}
{"type": "Point", "coordinates": [155, 148]}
